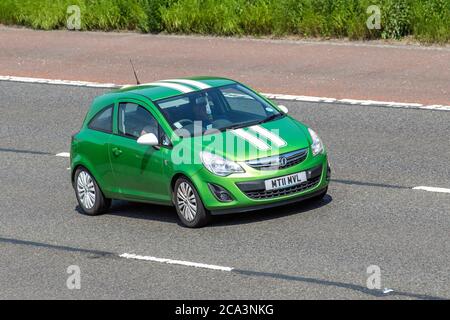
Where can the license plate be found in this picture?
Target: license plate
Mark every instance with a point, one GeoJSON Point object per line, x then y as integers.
{"type": "Point", "coordinates": [286, 181]}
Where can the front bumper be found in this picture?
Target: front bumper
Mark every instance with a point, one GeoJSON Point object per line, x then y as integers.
{"type": "Point", "coordinates": [247, 189]}
{"type": "Point", "coordinates": [269, 205]}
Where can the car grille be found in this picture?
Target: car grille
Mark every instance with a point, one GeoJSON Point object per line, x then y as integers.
{"type": "Point", "coordinates": [263, 194]}
{"type": "Point", "coordinates": [281, 161]}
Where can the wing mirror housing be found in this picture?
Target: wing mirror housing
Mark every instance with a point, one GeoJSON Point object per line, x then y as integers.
{"type": "Point", "coordinates": [148, 139]}
{"type": "Point", "coordinates": [283, 108]}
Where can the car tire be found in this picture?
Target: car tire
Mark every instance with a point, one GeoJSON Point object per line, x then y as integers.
{"type": "Point", "coordinates": [90, 198]}
{"type": "Point", "coordinates": [189, 206]}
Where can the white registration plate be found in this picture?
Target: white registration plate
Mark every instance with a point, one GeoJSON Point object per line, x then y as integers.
{"type": "Point", "coordinates": [286, 181]}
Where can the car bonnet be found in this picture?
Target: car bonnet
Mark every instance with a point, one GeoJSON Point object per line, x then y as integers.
{"type": "Point", "coordinates": [267, 139]}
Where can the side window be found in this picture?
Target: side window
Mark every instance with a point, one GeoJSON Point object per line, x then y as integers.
{"type": "Point", "coordinates": [135, 121]}
{"type": "Point", "coordinates": [102, 120]}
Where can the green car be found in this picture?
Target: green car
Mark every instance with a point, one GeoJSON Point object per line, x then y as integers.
{"type": "Point", "coordinates": [204, 145]}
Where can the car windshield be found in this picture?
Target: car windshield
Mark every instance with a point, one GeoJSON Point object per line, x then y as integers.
{"type": "Point", "coordinates": [220, 108]}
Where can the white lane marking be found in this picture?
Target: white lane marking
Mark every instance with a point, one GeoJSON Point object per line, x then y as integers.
{"type": "Point", "coordinates": [177, 262]}
{"type": "Point", "coordinates": [59, 82]}
{"type": "Point", "coordinates": [284, 97]}
{"type": "Point", "coordinates": [63, 155]}
{"type": "Point", "coordinates": [371, 103]}
{"type": "Point", "coordinates": [251, 139]}
{"type": "Point", "coordinates": [432, 189]}
{"type": "Point", "coordinates": [197, 84]}
{"type": "Point", "coordinates": [269, 135]}
{"type": "Point", "coordinates": [174, 86]}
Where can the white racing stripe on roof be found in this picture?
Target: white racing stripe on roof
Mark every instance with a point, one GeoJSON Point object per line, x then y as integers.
{"type": "Point", "coordinates": [252, 139]}
{"type": "Point", "coordinates": [197, 84]}
{"type": "Point", "coordinates": [174, 86]}
{"type": "Point", "coordinates": [269, 135]}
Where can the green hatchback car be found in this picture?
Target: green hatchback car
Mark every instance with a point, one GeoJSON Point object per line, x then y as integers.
{"type": "Point", "coordinates": [204, 145]}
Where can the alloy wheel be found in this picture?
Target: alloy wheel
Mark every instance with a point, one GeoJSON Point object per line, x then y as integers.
{"type": "Point", "coordinates": [86, 190]}
{"type": "Point", "coordinates": [187, 203]}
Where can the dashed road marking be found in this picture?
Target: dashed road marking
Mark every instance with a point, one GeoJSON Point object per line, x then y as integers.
{"type": "Point", "coordinates": [63, 155]}
{"type": "Point", "coordinates": [283, 97]}
{"type": "Point", "coordinates": [177, 262]}
{"type": "Point", "coordinates": [432, 189]}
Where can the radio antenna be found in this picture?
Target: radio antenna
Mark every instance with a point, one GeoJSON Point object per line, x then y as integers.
{"type": "Point", "coordinates": [135, 75]}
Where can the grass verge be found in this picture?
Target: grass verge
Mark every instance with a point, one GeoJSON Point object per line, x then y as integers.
{"type": "Point", "coordinates": [425, 20]}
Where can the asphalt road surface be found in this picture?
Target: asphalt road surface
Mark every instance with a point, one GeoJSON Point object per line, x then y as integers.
{"type": "Point", "coordinates": [372, 216]}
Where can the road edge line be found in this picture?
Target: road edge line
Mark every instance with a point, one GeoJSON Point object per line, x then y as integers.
{"type": "Point", "coordinates": [281, 97]}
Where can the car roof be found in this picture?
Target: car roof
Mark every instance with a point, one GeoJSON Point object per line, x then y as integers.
{"type": "Point", "coordinates": [163, 89]}
{"type": "Point", "coordinates": [157, 90]}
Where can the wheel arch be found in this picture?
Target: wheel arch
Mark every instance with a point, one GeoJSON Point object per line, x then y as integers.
{"type": "Point", "coordinates": [82, 165]}
{"type": "Point", "coordinates": [77, 166]}
{"type": "Point", "coordinates": [179, 175]}
{"type": "Point", "coordinates": [174, 179]}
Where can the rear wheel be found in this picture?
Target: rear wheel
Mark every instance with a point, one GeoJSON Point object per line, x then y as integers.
{"type": "Point", "coordinates": [188, 204]}
{"type": "Point", "coordinates": [90, 198]}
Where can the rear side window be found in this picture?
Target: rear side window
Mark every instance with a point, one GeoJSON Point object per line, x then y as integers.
{"type": "Point", "coordinates": [102, 120]}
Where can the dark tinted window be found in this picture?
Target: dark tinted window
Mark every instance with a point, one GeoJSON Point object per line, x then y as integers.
{"type": "Point", "coordinates": [103, 120]}
{"type": "Point", "coordinates": [135, 121]}
{"type": "Point", "coordinates": [242, 101]}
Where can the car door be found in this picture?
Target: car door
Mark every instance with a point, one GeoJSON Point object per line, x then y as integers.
{"type": "Point", "coordinates": [138, 169]}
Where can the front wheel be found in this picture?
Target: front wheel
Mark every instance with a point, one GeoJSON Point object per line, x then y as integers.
{"type": "Point", "coordinates": [90, 198]}
{"type": "Point", "coordinates": [188, 204]}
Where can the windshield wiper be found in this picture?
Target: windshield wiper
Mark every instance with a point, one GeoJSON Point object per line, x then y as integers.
{"type": "Point", "coordinates": [253, 123]}
{"type": "Point", "coordinates": [270, 118]}
{"type": "Point", "coordinates": [241, 125]}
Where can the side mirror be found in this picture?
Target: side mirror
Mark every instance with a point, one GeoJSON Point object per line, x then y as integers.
{"type": "Point", "coordinates": [283, 109]}
{"type": "Point", "coordinates": [148, 139]}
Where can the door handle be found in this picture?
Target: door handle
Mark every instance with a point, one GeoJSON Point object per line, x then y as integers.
{"type": "Point", "coordinates": [116, 151]}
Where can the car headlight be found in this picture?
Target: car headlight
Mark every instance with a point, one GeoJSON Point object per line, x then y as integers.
{"type": "Point", "coordinates": [317, 145]}
{"type": "Point", "coordinates": [218, 165]}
